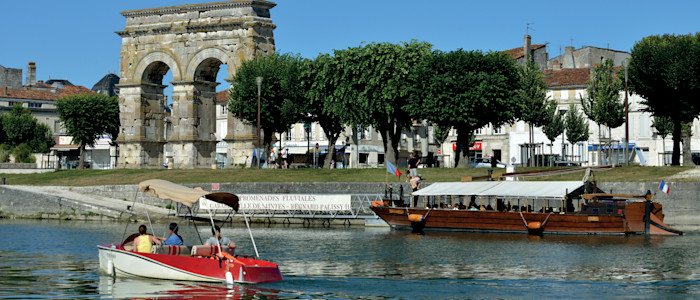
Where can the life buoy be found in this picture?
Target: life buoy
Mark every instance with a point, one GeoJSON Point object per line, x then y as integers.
{"type": "Point", "coordinates": [378, 203]}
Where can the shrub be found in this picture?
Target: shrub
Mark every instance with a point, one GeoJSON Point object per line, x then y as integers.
{"type": "Point", "coordinates": [23, 154]}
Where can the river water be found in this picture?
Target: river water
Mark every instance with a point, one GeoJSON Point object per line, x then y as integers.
{"type": "Point", "coordinates": [58, 259]}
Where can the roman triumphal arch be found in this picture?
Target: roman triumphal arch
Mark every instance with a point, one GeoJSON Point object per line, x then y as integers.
{"type": "Point", "coordinates": [192, 42]}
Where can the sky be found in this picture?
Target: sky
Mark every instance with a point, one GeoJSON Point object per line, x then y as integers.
{"type": "Point", "coordinates": [75, 39]}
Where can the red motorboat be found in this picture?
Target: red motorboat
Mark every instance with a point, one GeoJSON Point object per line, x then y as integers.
{"type": "Point", "coordinates": [212, 263]}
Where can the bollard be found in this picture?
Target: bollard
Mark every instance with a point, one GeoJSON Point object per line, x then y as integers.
{"type": "Point", "coordinates": [490, 174]}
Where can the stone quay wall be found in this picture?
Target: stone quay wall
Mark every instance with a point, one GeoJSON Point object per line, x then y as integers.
{"type": "Point", "coordinates": [681, 206]}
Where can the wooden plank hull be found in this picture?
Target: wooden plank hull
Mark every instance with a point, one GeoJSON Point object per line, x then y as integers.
{"type": "Point", "coordinates": [629, 221]}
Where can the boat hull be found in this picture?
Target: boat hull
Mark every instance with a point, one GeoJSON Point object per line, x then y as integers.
{"type": "Point", "coordinates": [116, 261]}
{"type": "Point", "coordinates": [629, 221]}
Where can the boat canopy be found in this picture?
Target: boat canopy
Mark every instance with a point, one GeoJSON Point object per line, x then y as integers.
{"type": "Point", "coordinates": [511, 189]}
{"type": "Point", "coordinates": [167, 190]}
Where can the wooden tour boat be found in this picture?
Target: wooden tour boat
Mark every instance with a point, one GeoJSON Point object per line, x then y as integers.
{"type": "Point", "coordinates": [564, 207]}
{"type": "Point", "coordinates": [210, 263]}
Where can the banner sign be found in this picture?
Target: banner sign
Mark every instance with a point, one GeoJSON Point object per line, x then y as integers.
{"type": "Point", "coordinates": [284, 202]}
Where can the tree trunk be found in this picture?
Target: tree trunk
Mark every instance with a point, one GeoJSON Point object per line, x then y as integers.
{"type": "Point", "coordinates": [355, 155]}
{"type": "Point", "coordinates": [687, 153]}
{"type": "Point", "coordinates": [532, 147]}
{"type": "Point", "coordinates": [462, 152]}
{"type": "Point", "coordinates": [81, 157]}
{"type": "Point", "coordinates": [675, 157]}
{"type": "Point", "coordinates": [331, 150]}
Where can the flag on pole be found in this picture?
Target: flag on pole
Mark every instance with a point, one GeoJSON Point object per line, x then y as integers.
{"type": "Point", "coordinates": [664, 187]}
{"type": "Point", "coordinates": [390, 168]}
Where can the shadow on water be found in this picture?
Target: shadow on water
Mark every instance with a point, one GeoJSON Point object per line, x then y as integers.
{"type": "Point", "coordinates": [129, 288]}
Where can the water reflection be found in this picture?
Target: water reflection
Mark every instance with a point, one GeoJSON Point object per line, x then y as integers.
{"type": "Point", "coordinates": [51, 259]}
{"type": "Point", "coordinates": [136, 288]}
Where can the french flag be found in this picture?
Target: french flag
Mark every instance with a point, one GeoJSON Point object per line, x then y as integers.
{"type": "Point", "coordinates": [390, 168]}
{"type": "Point", "coordinates": [664, 187]}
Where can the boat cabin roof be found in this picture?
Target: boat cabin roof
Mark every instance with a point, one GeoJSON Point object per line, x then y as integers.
{"type": "Point", "coordinates": [509, 189]}
{"type": "Point", "coordinates": [167, 190]}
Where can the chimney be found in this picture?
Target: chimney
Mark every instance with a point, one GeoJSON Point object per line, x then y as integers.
{"type": "Point", "coordinates": [569, 58]}
{"type": "Point", "coordinates": [31, 74]}
{"type": "Point", "coordinates": [527, 48]}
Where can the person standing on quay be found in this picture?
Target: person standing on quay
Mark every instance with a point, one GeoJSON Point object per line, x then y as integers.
{"type": "Point", "coordinates": [413, 165]}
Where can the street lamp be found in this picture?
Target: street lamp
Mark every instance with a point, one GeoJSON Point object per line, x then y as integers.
{"type": "Point", "coordinates": [627, 118]}
{"type": "Point", "coordinates": [258, 80]}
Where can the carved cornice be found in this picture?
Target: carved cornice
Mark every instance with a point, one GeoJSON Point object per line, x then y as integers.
{"type": "Point", "coordinates": [198, 7]}
{"type": "Point", "coordinates": [224, 26]}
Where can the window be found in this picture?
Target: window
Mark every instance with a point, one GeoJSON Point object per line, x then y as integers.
{"type": "Point", "coordinates": [644, 126]}
{"type": "Point", "coordinates": [368, 133]}
{"type": "Point", "coordinates": [313, 132]}
{"type": "Point", "coordinates": [223, 109]}
{"type": "Point", "coordinates": [564, 94]}
{"type": "Point", "coordinates": [361, 133]}
{"type": "Point", "coordinates": [34, 105]}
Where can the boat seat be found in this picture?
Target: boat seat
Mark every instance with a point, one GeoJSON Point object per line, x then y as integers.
{"type": "Point", "coordinates": [171, 250]}
{"type": "Point", "coordinates": [207, 250]}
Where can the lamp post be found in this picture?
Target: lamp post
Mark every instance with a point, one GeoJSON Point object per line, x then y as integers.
{"type": "Point", "coordinates": [627, 119]}
{"type": "Point", "coordinates": [258, 80]}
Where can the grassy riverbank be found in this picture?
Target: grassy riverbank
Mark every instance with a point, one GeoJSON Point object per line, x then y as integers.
{"type": "Point", "coordinates": [117, 177]}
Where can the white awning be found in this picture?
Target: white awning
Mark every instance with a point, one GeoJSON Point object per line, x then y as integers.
{"type": "Point", "coordinates": [456, 188]}
{"type": "Point", "coordinates": [529, 189]}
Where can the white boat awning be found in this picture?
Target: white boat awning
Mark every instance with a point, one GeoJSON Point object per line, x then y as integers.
{"type": "Point", "coordinates": [513, 189]}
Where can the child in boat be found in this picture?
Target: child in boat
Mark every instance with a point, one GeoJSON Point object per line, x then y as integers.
{"type": "Point", "coordinates": [144, 242]}
{"type": "Point", "coordinates": [216, 235]}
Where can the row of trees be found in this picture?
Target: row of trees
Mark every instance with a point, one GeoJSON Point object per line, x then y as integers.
{"type": "Point", "coordinates": [389, 86]}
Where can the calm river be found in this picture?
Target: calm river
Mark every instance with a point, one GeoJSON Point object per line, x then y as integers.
{"type": "Point", "coordinates": [53, 259]}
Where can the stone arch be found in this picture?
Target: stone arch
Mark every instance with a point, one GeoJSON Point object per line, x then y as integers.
{"type": "Point", "coordinates": [206, 63]}
{"type": "Point", "coordinates": [155, 60]}
{"type": "Point", "coordinates": [155, 41]}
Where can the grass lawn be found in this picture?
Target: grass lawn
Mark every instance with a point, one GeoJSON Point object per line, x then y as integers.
{"type": "Point", "coordinates": [117, 177]}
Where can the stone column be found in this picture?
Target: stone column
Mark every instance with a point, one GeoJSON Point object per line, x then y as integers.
{"type": "Point", "coordinates": [194, 120]}
{"type": "Point", "coordinates": [141, 136]}
{"type": "Point", "coordinates": [241, 139]}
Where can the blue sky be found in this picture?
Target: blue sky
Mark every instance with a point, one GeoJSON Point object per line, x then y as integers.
{"type": "Point", "coordinates": [75, 40]}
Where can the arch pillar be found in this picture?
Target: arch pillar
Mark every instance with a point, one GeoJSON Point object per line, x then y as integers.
{"type": "Point", "coordinates": [193, 117]}
{"type": "Point", "coordinates": [142, 118]}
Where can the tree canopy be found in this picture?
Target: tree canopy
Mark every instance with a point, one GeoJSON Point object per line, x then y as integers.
{"type": "Point", "coordinates": [603, 103]}
{"type": "Point", "coordinates": [665, 70]}
{"type": "Point", "coordinates": [576, 126]}
{"type": "Point", "coordinates": [87, 117]}
{"type": "Point", "coordinates": [281, 95]}
{"type": "Point", "coordinates": [537, 108]}
{"type": "Point", "coordinates": [322, 83]}
{"type": "Point", "coordinates": [467, 90]}
{"type": "Point", "coordinates": [20, 126]}
{"type": "Point", "coordinates": [378, 80]}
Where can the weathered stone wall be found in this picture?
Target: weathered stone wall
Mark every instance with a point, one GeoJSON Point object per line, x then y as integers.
{"type": "Point", "coordinates": [10, 78]}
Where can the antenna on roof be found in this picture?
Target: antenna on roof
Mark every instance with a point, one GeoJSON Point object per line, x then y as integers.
{"type": "Point", "coordinates": [527, 28]}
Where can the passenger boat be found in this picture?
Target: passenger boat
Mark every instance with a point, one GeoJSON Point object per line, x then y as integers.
{"type": "Point", "coordinates": [209, 263]}
{"type": "Point", "coordinates": [563, 207]}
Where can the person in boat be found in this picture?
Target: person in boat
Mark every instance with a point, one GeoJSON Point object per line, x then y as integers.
{"type": "Point", "coordinates": [216, 235]}
{"type": "Point", "coordinates": [144, 242]}
{"type": "Point", "coordinates": [174, 239]}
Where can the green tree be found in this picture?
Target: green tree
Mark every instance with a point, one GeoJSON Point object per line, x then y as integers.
{"type": "Point", "coordinates": [379, 75]}
{"type": "Point", "coordinates": [537, 108]}
{"type": "Point", "coordinates": [467, 90]}
{"type": "Point", "coordinates": [321, 80]}
{"type": "Point", "coordinates": [281, 95]}
{"type": "Point", "coordinates": [603, 104]}
{"type": "Point", "coordinates": [87, 117]}
{"type": "Point", "coordinates": [665, 71]}
{"type": "Point", "coordinates": [576, 127]}
{"type": "Point", "coordinates": [664, 127]}
{"type": "Point", "coordinates": [554, 128]}
{"type": "Point", "coordinates": [20, 126]}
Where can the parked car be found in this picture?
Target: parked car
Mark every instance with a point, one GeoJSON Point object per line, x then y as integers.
{"type": "Point", "coordinates": [485, 162]}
